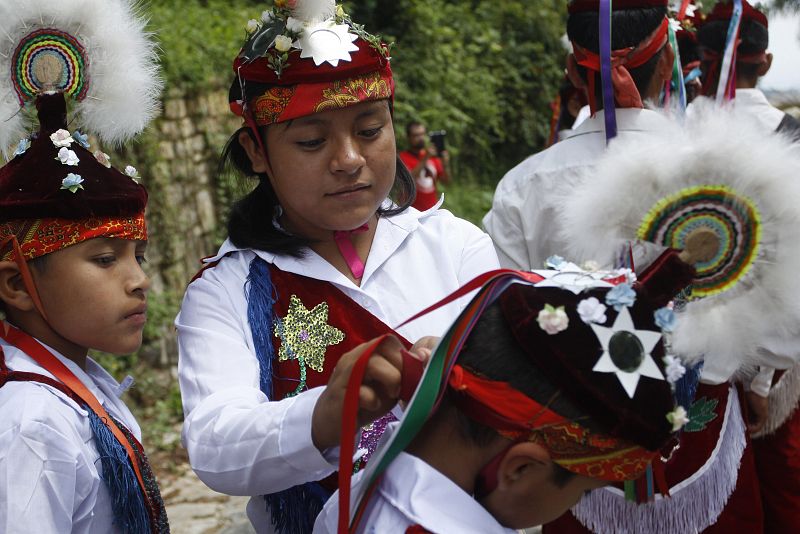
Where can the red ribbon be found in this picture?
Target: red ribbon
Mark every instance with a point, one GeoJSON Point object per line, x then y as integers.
{"type": "Point", "coordinates": [38, 353]}
{"type": "Point", "coordinates": [625, 92]}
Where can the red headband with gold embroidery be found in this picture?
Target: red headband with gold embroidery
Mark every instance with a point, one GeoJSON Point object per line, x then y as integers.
{"type": "Point", "coordinates": [42, 236]}
{"type": "Point", "coordinates": [570, 444]}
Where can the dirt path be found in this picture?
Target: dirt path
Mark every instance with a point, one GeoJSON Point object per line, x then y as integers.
{"type": "Point", "coordinates": [192, 508]}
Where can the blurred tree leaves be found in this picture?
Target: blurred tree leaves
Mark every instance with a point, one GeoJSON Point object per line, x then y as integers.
{"type": "Point", "coordinates": [484, 71]}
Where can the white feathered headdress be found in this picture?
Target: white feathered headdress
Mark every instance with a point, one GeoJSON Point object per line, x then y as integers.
{"type": "Point", "coordinates": [95, 51]}
{"type": "Point", "coordinates": [721, 177]}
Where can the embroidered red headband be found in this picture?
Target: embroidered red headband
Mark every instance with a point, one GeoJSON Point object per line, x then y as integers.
{"type": "Point", "coordinates": [626, 94]}
{"type": "Point", "coordinates": [571, 445]}
{"type": "Point", "coordinates": [42, 236]}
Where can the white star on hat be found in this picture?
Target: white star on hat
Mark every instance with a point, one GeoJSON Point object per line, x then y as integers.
{"type": "Point", "coordinates": [647, 340]}
{"type": "Point", "coordinates": [327, 41]}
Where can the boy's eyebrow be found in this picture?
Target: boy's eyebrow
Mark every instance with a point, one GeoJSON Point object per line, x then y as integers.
{"type": "Point", "coordinates": [374, 109]}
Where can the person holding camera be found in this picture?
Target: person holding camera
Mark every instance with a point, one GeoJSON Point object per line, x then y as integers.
{"type": "Point", "coordinates": [428, 161]}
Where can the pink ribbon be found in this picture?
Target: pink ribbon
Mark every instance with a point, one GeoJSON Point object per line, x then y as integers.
{"type": "Point", "coordinates": [344, 241]}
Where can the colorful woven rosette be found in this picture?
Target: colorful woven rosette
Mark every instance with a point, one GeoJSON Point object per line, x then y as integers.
{"type": "Point", "coordinates": [49, 60]}
{"type": "Point", "coordinates": [724, 193]}
{"type": "Point", "coordinates": [97, 53]}
{"type": "Point", "coordinates": [731, 218]}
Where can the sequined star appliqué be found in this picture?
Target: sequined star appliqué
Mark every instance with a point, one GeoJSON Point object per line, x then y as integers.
{"type": "Point", "coordinates": [305, 334]}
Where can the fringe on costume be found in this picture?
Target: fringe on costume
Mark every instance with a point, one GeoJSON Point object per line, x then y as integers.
{"type": "Point", "coordinates": [127, 502]}
{"type": "Point", "coordinates": [784, 398]}
{"type": "Point", "coordinates": [694, 503]}
{"type": "Point", "coordinates": [293, 510]}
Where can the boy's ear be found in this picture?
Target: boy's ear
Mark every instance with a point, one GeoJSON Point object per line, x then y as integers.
{"type": "Point", "coordinates": [12, 289]}
{"type": "Point", "coordinates": [764, 67]}
{"type": "Point", "coordinates": [521, 460]}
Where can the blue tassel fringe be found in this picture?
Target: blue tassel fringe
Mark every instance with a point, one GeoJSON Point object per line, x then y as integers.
{"type": "Point", "coordinates": [294, 510]}
{"type": "Point", "coordinates": [127, 502]}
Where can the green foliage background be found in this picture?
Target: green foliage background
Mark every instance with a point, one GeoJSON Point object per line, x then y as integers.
{"type": "Point", "coordinates": [483, 71]}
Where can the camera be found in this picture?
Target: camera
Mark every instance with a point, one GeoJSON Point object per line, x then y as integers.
{"type": "Point", "coordinates": [437, 138]}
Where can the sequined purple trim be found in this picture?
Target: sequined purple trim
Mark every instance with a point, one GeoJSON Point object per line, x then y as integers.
{"type": "Point", "coordinates": [371, 435]}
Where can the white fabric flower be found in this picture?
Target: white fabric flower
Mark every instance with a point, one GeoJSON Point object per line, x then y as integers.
{"type": "Point", "coordinates": [266, 17]}
{"type": "Point", "coordinates": [678, 417]}
{"type": "Point", "coordinates": [132, 172]}
{"type": "Point", "coordinates": [553, 320]}
{"type": "Point", "coordinates": [592, 310]}
{"type": "Point", "coordinates": [283, 43]}
{"type": "Point", "coordinates": [252, 26]}
{"type": "Point", "coordinates": [675, 369]}
{"type": "Point", "coordinates": [67, 157]}
{"type": "Point", "coordinates": [102, 158]}
{"type": "Point", "coordinates": [591, 266]}
{"type": "Point", "coordinates": [295, 25]}
{"type": "Point", "coordinates": [72, 182]}
{"type": "Point", "coordinates": [61, 138]}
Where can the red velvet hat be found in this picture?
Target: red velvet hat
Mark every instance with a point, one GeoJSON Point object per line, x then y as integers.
{"type": "Point", "coordinates": [56, 190]}
{"type": "Point", "coordinates": [606, 347]}
{"type": "Point", "coordinates": [724, 11]}
{"type": "Point", "coordinates": [55, 193]}
{"type": "Point", "coordinates": [304, 57]}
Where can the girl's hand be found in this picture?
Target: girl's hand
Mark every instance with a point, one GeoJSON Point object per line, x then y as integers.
{"type": "Point", "coordinates": [378, 393]}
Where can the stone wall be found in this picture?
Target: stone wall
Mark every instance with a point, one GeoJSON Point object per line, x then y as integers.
{"type": "Point", "coordinates": [177, 158]}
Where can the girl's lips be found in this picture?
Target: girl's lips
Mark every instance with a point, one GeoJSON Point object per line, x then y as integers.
{"type": "Point", "coordinates": [349, 190]}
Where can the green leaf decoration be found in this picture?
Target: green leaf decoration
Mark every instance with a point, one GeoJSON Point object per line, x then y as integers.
{"type": "Point", "coordinates": [262, 40]}
{"type": "Point", "coordinates": [700, 414]}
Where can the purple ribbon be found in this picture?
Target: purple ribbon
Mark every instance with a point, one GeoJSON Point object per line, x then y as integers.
{"type": "Point", "coordinates": [609, 108]}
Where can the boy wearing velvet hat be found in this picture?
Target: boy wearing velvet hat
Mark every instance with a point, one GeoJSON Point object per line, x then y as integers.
{"type": "Point", "coordinates": [562, 385]}
{"type": "Point", "coordinates": [72, 241]}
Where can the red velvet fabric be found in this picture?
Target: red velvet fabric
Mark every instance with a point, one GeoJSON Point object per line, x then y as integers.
{"type": "Point", "coordinates": [777, 459]}
{"type": "Point", "coordinates": [358, 325]}
{"type": "Point", "coordinates": [724, 11]}
{"type": "Point", "coordinates": [30, 184]}
{"type": "Point", "coordinates": [365, 60]}
{"type": "Point", "coordinates": [573, 353]}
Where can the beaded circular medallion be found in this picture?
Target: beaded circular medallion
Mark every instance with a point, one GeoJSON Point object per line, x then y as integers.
{"type": "Point", "coordinates": [49, 60]}
{"type": "Point", "coordinates": [732, 220]}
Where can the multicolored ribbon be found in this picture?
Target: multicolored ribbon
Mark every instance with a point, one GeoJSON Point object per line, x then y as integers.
{"type": "Point", "coordinates": [726, 87]}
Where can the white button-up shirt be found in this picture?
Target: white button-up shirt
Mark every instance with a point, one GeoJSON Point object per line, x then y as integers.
{"type": "Point", "coordinates": [411, 492]}
{"type": "Point", "coordinates": [525, 220]}
{"type": "Point", "coordinates": [50, 471]}
{"type": "Point", "coordinates": [239, 443]}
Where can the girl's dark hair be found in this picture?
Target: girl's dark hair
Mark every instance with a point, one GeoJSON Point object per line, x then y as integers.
{"type": "Point", "coordinates": [631, 27]}
{"type": "Point", "coordinates": [250, 223]}
{"type": "Point", "coordinates": [754, 39]}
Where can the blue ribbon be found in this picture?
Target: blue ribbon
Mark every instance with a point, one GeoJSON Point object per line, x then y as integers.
{"type": "Point", "coordinates": [609, 107]}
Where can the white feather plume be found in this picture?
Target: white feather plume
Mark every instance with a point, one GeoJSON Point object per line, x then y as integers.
{"type": "Point", "coordinates": [124, 85]}
{"type": "Point", "coordinates": [311, 11]}
{"type": "Point", "coordinates": [714, 147]}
